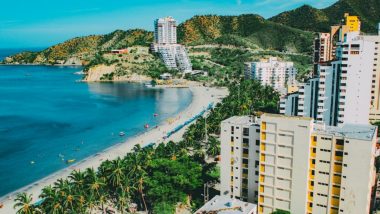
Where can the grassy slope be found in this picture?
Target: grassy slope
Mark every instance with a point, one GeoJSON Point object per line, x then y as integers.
{"type": "Point", "coordinates": [245, 30]}
{"type": "Point", "coordinates": [86, 47]}
{"type": "Point", "coordinates": [320, 20]}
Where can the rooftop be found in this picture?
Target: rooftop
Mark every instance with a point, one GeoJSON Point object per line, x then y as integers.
{"type": "Point", "coordinates": [226, 205]}
{"type": "Point", "coordinates": [241, 120]}
{"type": "Point", "coordinates": [353, 131]}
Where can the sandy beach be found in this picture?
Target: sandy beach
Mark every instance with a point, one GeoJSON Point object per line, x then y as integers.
{"type": "Point", "coordinates": [202, 97]}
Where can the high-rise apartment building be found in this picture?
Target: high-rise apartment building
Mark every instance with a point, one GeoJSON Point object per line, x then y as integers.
{"type": "Point", "coordinates": [293, 164]}
{"type": "Point", "coordinates": [272, 72]}
{"type": "Point", "coordinates": [307, 100]}
{"type": "Point", "coordinates": [165, 31]}
{"type": "Point", "coordinates": [165, 44]}
{"type": "Point", "coordinates": [289, 104]}
{"type": "Point", "coordinates": [240, 137]}
{"type": "Point", "coordinates": [346, 86]}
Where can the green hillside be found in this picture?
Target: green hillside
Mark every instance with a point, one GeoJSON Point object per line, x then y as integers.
{"type": "Point", "coordinates": [85, 47]}
{"type": "Point", "coordinates": [319, 20]}
{"type": "Point", "coordinates": [245, 30]}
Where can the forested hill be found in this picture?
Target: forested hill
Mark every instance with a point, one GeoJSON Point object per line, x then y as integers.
{"type": "Point", "coordinates": [247, 30]}
{"type": "Point", "coordinates": [85, 48]}
{"type": "Point", "coordinates": [291, 31]}
{"type": "Point", "coordinates": [319, 20]}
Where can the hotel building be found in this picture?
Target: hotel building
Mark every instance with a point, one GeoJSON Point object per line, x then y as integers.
{"type": "Point", "coordinates": [293, 164]}
{"type": "Point", "coordinates": [165, 31]}
{"type": "Point", "coordinates": [165, 44]}
{"type": "Point", "coordinates": [272, 72]}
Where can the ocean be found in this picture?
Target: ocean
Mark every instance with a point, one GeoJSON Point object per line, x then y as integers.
{"type": "Point", "coordinates": [47, 117]}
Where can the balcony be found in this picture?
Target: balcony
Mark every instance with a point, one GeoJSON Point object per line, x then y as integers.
{"type": "Point", "coordinates": [261, 189]}
{"type": "Point", "coordinates": [337, 168]}
{"type": "Point", "coordinates": [245, 175]}
{"type": "Point", "coordinates": [262, 178]}
{"type": "Point", "coordinates": [338, 158]}
{"type": "Point", "coordinates": [262, 147]}
{"type": "Point", "coordinates": [337, 179]}
{"type": "Point", "coordinates": [245, 155]}
{"type": "Point", "coordinates": [335, 191]}
{"type": "Point", "coordinates": [313, 141]}
{"type": "Point", "coordinates": [244, 186]}
{"type": "Point", "coordinates": [335, 202]}
{"type": "Point", "coordinates": [245, 165]}
{"type": "Point", "coordinates": [262, 168]}
{"type": "Point", "coordinates": [339, 147]}
{"type": "Point", "coordinates": [263, 136]}
{"type": "Point", "coordinates": [311, 164]}
{"type": "Point", "coordinates": [309, 198]}
{"type": "Point", "coordinates": [263, 126]}
{"type": "Point", "coordinates": [311, 187]}
{"type": "Point", "coordinates": [311, 174]}
{"type": "Point", "coordinates": [262, 158]}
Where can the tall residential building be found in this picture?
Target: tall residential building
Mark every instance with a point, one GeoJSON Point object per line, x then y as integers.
{"type": "Point", "coordinates": [348, 75]}
{"type": "Point", "coordinates": [356, 62]}
{"type": "Point", "coordinates": [165, 44]}
{"type": "Point", "coordinates": [307, 101]}
{"type": "Point", "coordinates": [165, 31]}
{"type": "Point", "coordinates": [300, 166]}
{"type": "Point", "coordinates": [239, 166]}
{"type": "Point", "coordinates": [328, 94]}
{"type": "Point", "coordinates": [289, 104]}
{"type": "Point", "coordinates": [272, 72]}
{"type": "Point", "coordinates": [322, 47]}
{"type": "Point", "coordinates": [375, 85]}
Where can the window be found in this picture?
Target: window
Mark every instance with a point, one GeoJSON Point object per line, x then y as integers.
{"type": "Point", "coordinates": [338, 153]}
{"type": "Point", "coordinates": [245, 142]}
{"type": "Point", "coordinates": [245, 151]}
{"type": "Point", "coordinates": [245, 161]}
{"type": "Point", "coordinates": [245, 171]}
{"type": "Point", "coordinates": [232, 139]}
{"type": "Point", "coordinates": [246, 131]}
{"type": "Point", "coordinates": [257, 142]}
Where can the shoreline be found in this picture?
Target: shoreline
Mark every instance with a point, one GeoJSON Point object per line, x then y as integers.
{"type": "Point", "coordinates": [201, 98]}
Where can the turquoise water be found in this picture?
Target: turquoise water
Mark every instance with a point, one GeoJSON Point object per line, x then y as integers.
{"type": "Point", "coordinates": [44, 112]}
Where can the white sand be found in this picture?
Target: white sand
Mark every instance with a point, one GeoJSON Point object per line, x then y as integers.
{"type": "Point", "coordinates": [202, 97]}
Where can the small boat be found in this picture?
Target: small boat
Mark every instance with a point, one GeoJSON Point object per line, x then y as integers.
{"type": "Point", "coordinates": [148, 85]}
{"type": "Point", "coordinates": [70, 161]}
{"type": "Point", "coordinates": [121, 134]}
{"type": "Point", "coordinates": [146, 126]}
{"type": "Point", "coordinates": [155, 114]}
{"type": "Point", "coordinates": [32, 162]}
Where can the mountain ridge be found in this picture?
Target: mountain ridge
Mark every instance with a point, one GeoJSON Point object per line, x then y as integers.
{"type": "Point", "coordinates": [320, 20]}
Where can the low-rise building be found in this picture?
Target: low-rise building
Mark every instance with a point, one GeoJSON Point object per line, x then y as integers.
{"type": "Point", "coordinates": [226, 205]}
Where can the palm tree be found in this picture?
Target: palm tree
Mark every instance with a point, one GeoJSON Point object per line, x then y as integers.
{"type": "Point", "coordinates": [213, 147]}
{"type": "Point", "coordinates": [122, 200]}
{"type": "Point", "coordinates": [141, 178]}
{"type": "Point", "coordinates": [117, 175]}
{"type": "Point", "coordinates": [51, 201]}
{"type": "Point", "coordinates": [24, 203]}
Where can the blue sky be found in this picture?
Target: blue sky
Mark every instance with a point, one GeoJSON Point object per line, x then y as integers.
{"type": "Point", "coordinates": [41, 23]}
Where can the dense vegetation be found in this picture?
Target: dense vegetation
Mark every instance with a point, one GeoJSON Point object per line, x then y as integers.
{"type": "Point", "coordinates": [320, 20]}
{"type": "Point", "coordinates": [245, 30]}
{"type": "Point", "coordinates": [85, 48]}
{"type": "Point", "coordinates": [225, 65]}
{"type": "Point", "coordinates": [157, 179]}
